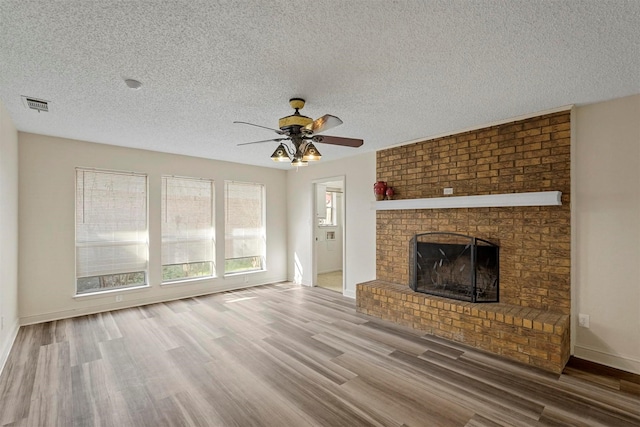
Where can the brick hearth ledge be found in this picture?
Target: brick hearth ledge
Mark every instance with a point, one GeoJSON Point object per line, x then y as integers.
{"type": "Point", "coordinates": [536, 337]}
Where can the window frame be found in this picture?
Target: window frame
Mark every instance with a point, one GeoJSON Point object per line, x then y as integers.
{"type": "Point", "coordinates": [262, 234]}
{"type": "Point", "coordinates": [114, 243]}
{"type": "Point", "coordinates": [163, 211]}
{"type": "Point", "coordinates": [331, 211]}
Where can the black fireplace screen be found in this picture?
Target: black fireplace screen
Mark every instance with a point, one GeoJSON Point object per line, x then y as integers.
{"type": "Point", "coordinates": [454, 266]}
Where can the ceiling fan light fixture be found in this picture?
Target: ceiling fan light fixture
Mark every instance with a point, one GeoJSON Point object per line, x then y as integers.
{"type": "Point", "coordinates": [297, 162]}
{"type": "Point", "coordinates": [280, 155]}
{"type": "Point", "coordinates": [311, 153]}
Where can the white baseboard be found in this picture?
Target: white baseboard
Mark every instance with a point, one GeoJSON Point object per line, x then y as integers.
{"type": "Point", "coordinates": [65, 314]}
{"type": "Point", "coordinates": [625, 363]}
{"type": "Point", "coordinates": [349, 293]}
{"type": "Point", "coordinates": [5, 347]}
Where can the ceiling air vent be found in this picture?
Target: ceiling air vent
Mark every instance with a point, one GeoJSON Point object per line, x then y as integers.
{"type": "Point", "coordinates": [35, 104]}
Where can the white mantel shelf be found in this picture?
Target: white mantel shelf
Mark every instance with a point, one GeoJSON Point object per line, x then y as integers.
{"type": "Point", "coordinates": [540, 198]}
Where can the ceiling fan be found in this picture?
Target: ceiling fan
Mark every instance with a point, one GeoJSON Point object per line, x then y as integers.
{"type": "Point", "coordinates": [302, 132]}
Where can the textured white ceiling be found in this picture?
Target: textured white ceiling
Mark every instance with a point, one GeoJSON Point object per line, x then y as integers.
{"type": "Point", "coordinates": [393, 71]}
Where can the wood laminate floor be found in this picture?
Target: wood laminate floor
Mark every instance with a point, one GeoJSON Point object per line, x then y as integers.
{"type": "Point", "coordinates": [280, 355]}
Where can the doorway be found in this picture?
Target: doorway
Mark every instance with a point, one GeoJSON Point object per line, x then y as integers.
{"type": "Point", "coordinates": [329, 232]}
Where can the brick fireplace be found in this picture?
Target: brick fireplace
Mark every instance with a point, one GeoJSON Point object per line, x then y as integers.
{"type": "Point", "coordinates": [531, 321]}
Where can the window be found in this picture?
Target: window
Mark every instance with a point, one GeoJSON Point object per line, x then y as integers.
{"type": "Point", "coordinates": [187, 228]}
{"type": "Point", "coordinates": [111, 230]}
{"type": "Point", "coordinates": [244, 227]}
{"type": "Point", "coordinates": [331, 218]}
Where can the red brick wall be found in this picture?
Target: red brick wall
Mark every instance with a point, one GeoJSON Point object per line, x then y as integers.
{"type": "Point", "coordinates": [523, 156]}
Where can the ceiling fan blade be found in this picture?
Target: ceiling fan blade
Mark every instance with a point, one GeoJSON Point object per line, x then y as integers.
{"type": "Point", "coordinates": [325, 122]}
{"type": "Point", "coordinates": [264, 140]}
{"type": "Point", "coordinates": [278, 131]}
{"type": "Point", "coordinates": [338, 140]}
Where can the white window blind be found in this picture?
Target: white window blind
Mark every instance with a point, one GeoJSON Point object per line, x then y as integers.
{"type": "Point", "coordinates": [111, 224]}
{"type": "Point", "coordinates": [187, 228]}
{"type": "Point", "coordinates": [244, 227]}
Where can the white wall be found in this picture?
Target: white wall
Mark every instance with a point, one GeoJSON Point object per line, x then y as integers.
{"type": "Point", "coordinates": [8, 234]}
{"type": "Point", "coordinates": [47, 224]}
{"type": "Point", "coordinates": [360, 220]}
{"type": "Point", "coordinates": [606, 205]}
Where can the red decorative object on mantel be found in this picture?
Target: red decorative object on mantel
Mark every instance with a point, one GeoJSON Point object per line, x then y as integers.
{"type": "Point", "coordinates": [389, 193]}
{"type": "Point", "coordinates": [380, 189]}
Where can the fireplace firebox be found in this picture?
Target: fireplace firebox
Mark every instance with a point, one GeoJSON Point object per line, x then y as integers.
{"type": "Point", "coordinates": [454, 266]}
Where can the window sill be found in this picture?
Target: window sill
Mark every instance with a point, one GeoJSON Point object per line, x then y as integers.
{"type": "Point", "coordinates": [242, 273]}
{"type": "Point", "coordinates": [187, 281]}
{"type": "Point", "coordinates": [110, 292]}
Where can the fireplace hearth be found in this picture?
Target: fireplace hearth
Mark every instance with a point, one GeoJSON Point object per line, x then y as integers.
{"type": "Point", "coordinates": [454, 266]}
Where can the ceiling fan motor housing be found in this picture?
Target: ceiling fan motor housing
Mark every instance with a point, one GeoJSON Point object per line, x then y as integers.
{"type": "Point", "coordinates": [294, 122]}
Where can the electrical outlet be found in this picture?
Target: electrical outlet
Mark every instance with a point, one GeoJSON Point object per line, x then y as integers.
{"type": "Point", "coordinates": [118, 298]}
{"type": "Point", "coordinates": [448, 191]}
{"type": "Point", "coordinates": [583, 320]}
{"type": "Point", "coordinates": [246, 279]}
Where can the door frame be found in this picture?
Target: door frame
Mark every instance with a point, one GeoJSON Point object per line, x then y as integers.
{"type": "Point", "coordinates": [343, 216]}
